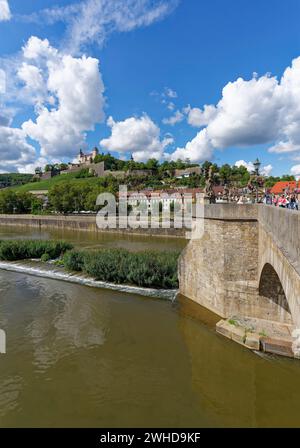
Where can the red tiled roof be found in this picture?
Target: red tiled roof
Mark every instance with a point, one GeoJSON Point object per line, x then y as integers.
{"type": "Point", "coordinates": [282, 186]}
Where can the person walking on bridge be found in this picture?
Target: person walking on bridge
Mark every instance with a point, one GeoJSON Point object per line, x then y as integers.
{"type": "Point", "coordinates": [282, 202]}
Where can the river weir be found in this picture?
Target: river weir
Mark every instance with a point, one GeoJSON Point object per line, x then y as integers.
{"type": "Point", "coordinates": [47, 270]}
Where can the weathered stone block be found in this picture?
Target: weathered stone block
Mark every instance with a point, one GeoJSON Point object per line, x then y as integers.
{"type": "Point", "coordinates": [277, 346]}
{"type": "Point", "coordinates": [238, 334]}
{"type": "Point", "coordinates": [253, 341]}
{"type": "Point", "coordinates": [223, 327]}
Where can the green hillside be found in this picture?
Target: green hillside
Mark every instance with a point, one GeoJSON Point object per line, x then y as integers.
{"type": "Point", "coordinates": [46, 184]}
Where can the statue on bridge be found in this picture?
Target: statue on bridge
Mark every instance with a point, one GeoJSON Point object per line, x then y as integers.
{"type": "Point", "coordinates": [208, 190]}
{"type": "Point", "coordinates": [226, 193]}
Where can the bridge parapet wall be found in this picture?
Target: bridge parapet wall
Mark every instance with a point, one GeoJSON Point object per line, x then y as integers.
{"type": "Point", "coordinates": [283, 226]}
{"type": "Point", "coordinates": [231, 212]}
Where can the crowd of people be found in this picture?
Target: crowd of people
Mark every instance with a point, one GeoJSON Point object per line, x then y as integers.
{"type": "Point", "coordinates": [284, 201]}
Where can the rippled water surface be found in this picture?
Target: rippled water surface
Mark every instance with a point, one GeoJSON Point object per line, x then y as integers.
{"type": "Point", "coordinates": [92, 240]}
{"type": "Point", "coordinates": [77, 356]}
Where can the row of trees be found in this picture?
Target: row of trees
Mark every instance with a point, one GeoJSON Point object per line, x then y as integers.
{"type": "Point", "coordinates": [68, 197]}
{"type": "Point", "coordinates": [12, 179]}
{"type": "Point", "coordinates": [19, 202]}
{"type": "Point", "coordinates": [71, 196]}
{"type": "Point", "coordinates": [113, 164]}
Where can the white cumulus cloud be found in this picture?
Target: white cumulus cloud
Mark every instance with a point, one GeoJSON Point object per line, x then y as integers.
{"type": "Point", "coordinates": [198, 117]}
{"type": "Point", "coordinates": [265, 170]}
{"type": "Point", "coordinates": [140, 136]}
{"type": "Point", "coordinates": [295, 171]}
{"type": "Point", "coordinates": [2, 82]}
{"type": "Point", "coordinates": [174, 119]}
{"type": "Point", "coordinates": [70, 94]}
{"type": "Point", "coordinates": [248, 165]}
{"type": "Point", "coordinates": [197, 150]}
{"type": "Point", "coordinates": [15, 151]}
{"type": "Point", "coordinates": [262, 110]}
{"type": "Point", "coordinates": [5, 13]}
{"type": "Point", "coordinates": [35, 87]}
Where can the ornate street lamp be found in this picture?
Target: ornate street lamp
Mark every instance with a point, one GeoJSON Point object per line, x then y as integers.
{"type": "Point", "coordinates": [256, 166]}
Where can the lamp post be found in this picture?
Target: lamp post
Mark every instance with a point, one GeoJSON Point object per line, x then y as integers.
{"type": "Point", "coordinates": [256, 165]}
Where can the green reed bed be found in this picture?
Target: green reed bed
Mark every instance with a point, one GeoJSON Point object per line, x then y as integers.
{"type": "Point", "coordinates": [145, 269]}
{"type": "Point", "coordinates": [13, 250]}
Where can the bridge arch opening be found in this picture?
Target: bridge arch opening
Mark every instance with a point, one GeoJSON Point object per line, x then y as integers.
{"type": "Point", "coordinates": [272, 292]}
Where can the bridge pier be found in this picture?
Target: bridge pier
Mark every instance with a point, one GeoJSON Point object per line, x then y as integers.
{"type": "Point", "coordinates": [245, 264]}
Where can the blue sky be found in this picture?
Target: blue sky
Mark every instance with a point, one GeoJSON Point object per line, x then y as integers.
{"type": "Point", "coordinates": [159, 65]}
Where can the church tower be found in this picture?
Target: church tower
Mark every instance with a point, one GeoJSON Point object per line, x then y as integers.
{"type": "Point", "coordinates": [95, 152]}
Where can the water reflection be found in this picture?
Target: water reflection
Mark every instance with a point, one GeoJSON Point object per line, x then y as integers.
{"type": "Point", "coordinates": [77, 356]}
{"type": "Point", "coordinates": [62, 325]}
{"type": "Point", "coordinates": [236, 387]}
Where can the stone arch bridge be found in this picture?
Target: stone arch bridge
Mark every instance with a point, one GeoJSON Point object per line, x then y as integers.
{"type": "Point", "coordinates": [246, 263]}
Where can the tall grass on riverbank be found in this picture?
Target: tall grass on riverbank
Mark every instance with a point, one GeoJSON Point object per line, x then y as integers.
{"type": "Point", "coordinates": [145, 269]}
{"type": "Point", "coordinates": [12, 250]}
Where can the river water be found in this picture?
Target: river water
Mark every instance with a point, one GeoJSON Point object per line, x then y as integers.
{"type": "Point", "coordinates": [92, 240]}
{"type": "Point", "coordinates": [78, 356]}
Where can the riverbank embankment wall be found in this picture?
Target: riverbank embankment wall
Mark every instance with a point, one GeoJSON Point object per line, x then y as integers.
{"type": "Point", "coordinates": [82, 223]}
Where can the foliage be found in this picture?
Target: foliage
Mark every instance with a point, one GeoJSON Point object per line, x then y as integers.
{"type": "Point", "coordinates": [45, 257]}
{"type": "Point", "coordinates": [83, 174]}
{"type": "Point", "coordinates": [68, 197]}
{"type": "Point", "coordinates": [74, 260]}
{"type": "Point", "coordinates": [11, 179]}
{"type": "Point", "coordinates": [113, 164]}
{"type": "Point", "coordinates": [146, 269]}
{"type": "Point", "coordinates": [11, 250]}
{"type": "Point", "coordinates": [48, 183]}
{"type": "Point", "coordinates": [19, 202]}
{"type": "Point", "coordinates": [75, 192]}
{"type": "Point", "coordinates": [56, 167]}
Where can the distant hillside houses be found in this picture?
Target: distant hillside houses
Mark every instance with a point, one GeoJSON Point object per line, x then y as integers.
{"type": "Point", "coordinates": [187, 172]}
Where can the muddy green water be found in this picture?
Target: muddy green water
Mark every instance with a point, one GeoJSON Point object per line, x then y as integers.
{"type": "Point", "coordinates": [92, 240]}
{"type": "Point", "coordinates": [78, 356]}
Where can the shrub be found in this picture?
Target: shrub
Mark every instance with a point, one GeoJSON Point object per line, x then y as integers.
{"type": "Point", "coordinates": [108, 265]}
{"type": "Point", "coordinates": [11, 250]}
{"type": "Point", "coordinates": [73, 260]}
{"type": "Point", "coordinates": [146, 269]}
{"type": "Point", "coordinates": [152, 269]}
{"type": "Point", "coordinates": [45, 258]}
